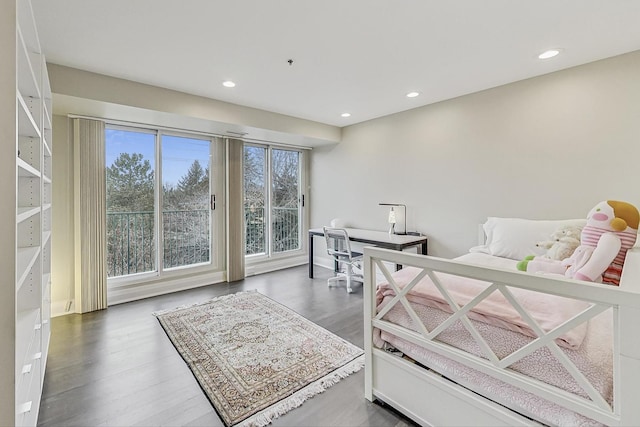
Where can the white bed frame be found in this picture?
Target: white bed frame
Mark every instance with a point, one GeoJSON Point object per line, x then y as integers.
{"type": "Point", "coordinates": [430, 399]}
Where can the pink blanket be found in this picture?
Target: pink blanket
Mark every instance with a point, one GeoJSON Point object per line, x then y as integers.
{"type": "Point", "coordinates": [549, 311]}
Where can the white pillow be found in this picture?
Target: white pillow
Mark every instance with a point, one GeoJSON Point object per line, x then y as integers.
{"type": "Point", "coordinates": [516, 238]}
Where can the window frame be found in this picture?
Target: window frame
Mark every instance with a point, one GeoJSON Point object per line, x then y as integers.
{"type": "Point", "coordinates": [269, 254]}
{"type": "Point", "coordinates": [217, 256]}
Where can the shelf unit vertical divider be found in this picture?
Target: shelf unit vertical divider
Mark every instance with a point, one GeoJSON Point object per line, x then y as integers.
{"type": "Point", "coordinates": [25, 186]}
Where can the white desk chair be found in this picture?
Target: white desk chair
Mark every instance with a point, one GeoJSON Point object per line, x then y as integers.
{"type": "Point", "coordinates": [339, 247]}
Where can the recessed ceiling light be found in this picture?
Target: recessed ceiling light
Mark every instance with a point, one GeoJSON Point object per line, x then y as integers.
{"type": "Point", "coordinates": [412, 94]}
{"type": "Point", "coordinates": [346, 114]}
{"type": "Point", "coordinates": [228, 83]}
{"type": "Point", "coordinates": [549, 54]}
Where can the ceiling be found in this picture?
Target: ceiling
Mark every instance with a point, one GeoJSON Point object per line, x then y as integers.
{"type": "Point", "coordinates": [356, 56]}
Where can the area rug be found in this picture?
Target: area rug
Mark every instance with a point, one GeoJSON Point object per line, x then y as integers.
{"type": "Point", "coordinates": [256, 359]}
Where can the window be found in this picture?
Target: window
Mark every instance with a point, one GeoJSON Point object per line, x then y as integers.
{"type": "Point", "coordinates": [255, 199]}
{"type": "Point", "coordinates": [186, 201]}
{"type": "Point", "coordinates": [159, 203]}
{"type": "Point", "coordinates": [131, 183]}
{"type": "Point", "coordinates": [285, 200]}
{"type": "Point", "coordinates": [273, 200]}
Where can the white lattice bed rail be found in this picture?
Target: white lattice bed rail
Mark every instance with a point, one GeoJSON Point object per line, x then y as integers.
{"type": "Point", "coordinates": [428, 398]}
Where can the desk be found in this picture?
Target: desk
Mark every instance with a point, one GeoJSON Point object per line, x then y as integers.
{"type": "Point", "coordinates": [376, 238]}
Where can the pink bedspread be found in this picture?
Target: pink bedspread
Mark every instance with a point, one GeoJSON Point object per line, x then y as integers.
{"type": "Point", "coordinates": [593, 357]}
{"type": "Point", "coordinates": [549, 311]}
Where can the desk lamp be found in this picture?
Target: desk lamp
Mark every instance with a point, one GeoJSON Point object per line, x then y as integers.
{"type": "Point", "coordinates": [392, 221]}
{"type": "Point", "coordinates": [392, 217]}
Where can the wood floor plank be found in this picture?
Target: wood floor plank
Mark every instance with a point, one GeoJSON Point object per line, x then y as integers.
{"type": "Point", "coordinates": [117, 367]}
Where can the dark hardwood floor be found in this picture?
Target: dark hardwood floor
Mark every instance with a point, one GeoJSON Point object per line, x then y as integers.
{"type": "Point", "coordinates": [117, 367]}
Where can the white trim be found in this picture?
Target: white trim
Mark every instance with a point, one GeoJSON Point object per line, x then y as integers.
{"type": "Point", "coordinates": [58, 308]}
{"type": "Point", "coordinates": [120, 284]}
{"type": "Point", "coordinates": [395, 380]}
{"type": "Point", "coordinates": [324, 262]}
{"type": "Point", "coordinates": [390, 383]}
{"type": "Point", "coordinates": [125, 123]}
{"type": "Point", "coordinates": [275, 264]}
{"type": "Point", "coordinates": [122, 295]}
{"type": "Point", "coordinates": [126, 280]}
{"type": "Point", "coordinates": [269, 254]}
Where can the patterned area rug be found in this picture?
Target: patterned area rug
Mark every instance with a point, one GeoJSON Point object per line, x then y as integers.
{"type": "Point", "coordinates": [256, 359]}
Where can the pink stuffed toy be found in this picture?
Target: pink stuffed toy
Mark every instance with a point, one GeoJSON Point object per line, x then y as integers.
{"type": "Point", "coordinates": [611, 230]}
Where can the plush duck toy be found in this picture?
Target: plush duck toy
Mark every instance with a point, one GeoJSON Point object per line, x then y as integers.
{"type": "Point", "coordinates": [611, 230]}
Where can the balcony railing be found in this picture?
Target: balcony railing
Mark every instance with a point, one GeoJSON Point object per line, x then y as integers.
{"type": "Point", "coordinates": [130, 243]}
{"type": "Point", "coordinates": [131, 237]}
{"type": "Point", "coordinates": [255, 230]}
{"type": "Point", "coordinates": [131, 240]}
{"type": "Point", "coordinates": [284, 228]}
{"type": "Point", "coordinates": [186, 237]}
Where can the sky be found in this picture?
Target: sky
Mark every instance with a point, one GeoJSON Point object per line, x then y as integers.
{"type": "Point", "coordinates": [178, 153]}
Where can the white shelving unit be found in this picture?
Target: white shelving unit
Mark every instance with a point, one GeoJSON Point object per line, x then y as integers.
{"type": "Point", "coordinates": [25, 209]}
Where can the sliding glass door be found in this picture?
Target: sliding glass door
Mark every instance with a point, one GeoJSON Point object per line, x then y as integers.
{"type": "Point", "coordinates": [159, 202]}
{"type": "Point", "coordinates": [131, 200]}
{"type": "Point", "coordinates": [285, 201]}
{"type": "Point", "coordinates": [255, 199]}
{"type": "Point", "coordinates": [273, 200]}
{"type": "Point", "coordinates": [186, 201]}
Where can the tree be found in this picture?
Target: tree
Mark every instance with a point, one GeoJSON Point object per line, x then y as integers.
{"type": "Point", "coordinates": [254, 199]}
{"type": "Point", "coordinates": [186, 218]}
{"type": "Point", "coordinates": [132, 221]}
{"type": "Point", "coordinates": [285, 167]}
{"type": "Point", "coordinates": [130, 188]}
{"type": "Point", "coordinates": [254, 179]}
{"type": "Point", "coordinates": [192, 189]}
{"type": "Point", "coordinates": [130, 183]}
{"type": "Point", "coordinates": [196, 180]}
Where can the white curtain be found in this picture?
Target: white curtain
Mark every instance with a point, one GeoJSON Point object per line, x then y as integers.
{"type": "Point", "coordinates": [235, 211]}
{"type": "Point", "coordinates": [90, 215]}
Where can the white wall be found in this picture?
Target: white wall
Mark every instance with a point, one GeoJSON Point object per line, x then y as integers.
{"type": "Point", "coordinates": [62, 243]}
{"type": "Point", "coordinates": [547, 147]}
{"type": "Point", "coordinates": [82, 92]}
{"type": "Point", "coordinates": [85, 93]}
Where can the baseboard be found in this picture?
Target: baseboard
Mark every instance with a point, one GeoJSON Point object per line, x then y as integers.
{"type": "Point", "coordinates": [325, 262]}
{"type": "Point", "coordinates": [62, 308]}
{"type": "Point", "coordinates": [135, 292]}
{"type": "Point", "coordinates": [274, 264]}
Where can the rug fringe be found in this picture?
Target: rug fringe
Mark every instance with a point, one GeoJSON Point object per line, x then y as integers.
{"type": "Point", "coordinates": [266, 416]}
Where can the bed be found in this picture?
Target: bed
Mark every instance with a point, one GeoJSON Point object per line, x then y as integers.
{"type": "Point", "coordinates": [516, 349]}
